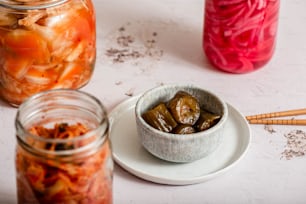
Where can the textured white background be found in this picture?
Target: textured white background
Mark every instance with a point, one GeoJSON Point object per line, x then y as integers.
{"type": "Point", "coordinates": [262, 176]}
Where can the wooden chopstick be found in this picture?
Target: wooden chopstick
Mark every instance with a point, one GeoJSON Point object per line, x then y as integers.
{"type": "Point", "coordinates": [278, 121]}
{"type": "Point", "coordinates": [264, 118]}
{"type": "Point", "coordinates": [277, 114]}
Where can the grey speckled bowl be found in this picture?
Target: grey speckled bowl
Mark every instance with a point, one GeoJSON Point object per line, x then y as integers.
{"type": "Point", "coordinates": [176, 147]}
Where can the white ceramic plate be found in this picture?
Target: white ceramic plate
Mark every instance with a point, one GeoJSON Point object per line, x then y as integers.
{"type": "Point", "coordinates": [131, 156]}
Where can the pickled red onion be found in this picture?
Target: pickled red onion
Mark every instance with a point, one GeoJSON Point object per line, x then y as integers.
{"type": "Point", "coordinates": [240, 35]}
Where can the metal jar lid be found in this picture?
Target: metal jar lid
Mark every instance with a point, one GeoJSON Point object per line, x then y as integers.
{"type": "Point", "coordinates": [30, 4]}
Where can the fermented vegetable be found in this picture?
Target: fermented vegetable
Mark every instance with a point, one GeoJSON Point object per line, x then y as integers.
{"type": "Point", "coordinates": [183, 129]}
{"type": "Point", "coordinates": [45, 48]}
{"type": "Point", "coordinates": [182, 114]}
{"type": "Point", "coordinates": [160, 118]}
{"type": "Point", "coordinates": [206, 120]}
{"type": "Point", "coordinates": [240, 35]}
{"type": "Point", "coordinates": [185, 108]}
{"type": "Point", "coordinates": [54, 180]}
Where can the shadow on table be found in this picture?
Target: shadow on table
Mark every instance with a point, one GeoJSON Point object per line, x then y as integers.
{"type": "Point", "coordinates": [121, 172]}
{"type": "Point", "coordinates": [6, 201]}
{"type": "Point", "coordinates": [7, 198]}
{"type": "Point", "coordinates": [4, 104]}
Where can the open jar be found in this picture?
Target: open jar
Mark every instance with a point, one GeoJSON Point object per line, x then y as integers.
{"type": "Point", "coordinates": [63, 153]}
{"type": "Point", "coordinates": [45, 44]}
{"type": "Point", "coordinates": [240, 36]}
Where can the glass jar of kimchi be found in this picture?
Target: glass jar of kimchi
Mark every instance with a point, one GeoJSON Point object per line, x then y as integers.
{"type": "Point", "coordinates": [45, 44]}
{"type": "Point", "coordinates": [63, 152]}
{"type": "Point", "coordinates": [240, 35]}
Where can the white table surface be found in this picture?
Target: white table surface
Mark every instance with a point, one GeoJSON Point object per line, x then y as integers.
{"type": "Point", "coordinates": [262, 176]}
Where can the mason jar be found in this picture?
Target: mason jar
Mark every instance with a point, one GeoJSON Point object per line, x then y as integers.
{"type": "Point", "coordinates": [45, 44]}
{"type": "Point", "coordinates": [240, 36]}
{"type": "Point", "coordinates": [63, 152]}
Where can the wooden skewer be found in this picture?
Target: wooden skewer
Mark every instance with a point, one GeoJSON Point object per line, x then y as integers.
{"type": "Point", "coordinates": [277, 114]}
{"type": "Point", "coordinates": [278, 122]}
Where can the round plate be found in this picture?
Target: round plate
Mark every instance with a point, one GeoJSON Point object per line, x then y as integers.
{"type": "Point", "coordinates": [130, 155]}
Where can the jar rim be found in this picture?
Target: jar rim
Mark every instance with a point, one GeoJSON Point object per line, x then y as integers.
{"type": "Point", "coordinates": [87, 135]}
{"type": "Point", "coordinates": [30, 5]}
{"type": "Point", "coordinates": [102, 126]}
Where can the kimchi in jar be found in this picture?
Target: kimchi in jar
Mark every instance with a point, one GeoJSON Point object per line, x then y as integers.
{"type": "Point", "coordinates": [63, 153]}
{"type": "Point", "coordinates": [45, 44]}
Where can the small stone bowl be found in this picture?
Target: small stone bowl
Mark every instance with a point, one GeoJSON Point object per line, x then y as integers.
{"type": "Point", "coordinates": [180, 148]}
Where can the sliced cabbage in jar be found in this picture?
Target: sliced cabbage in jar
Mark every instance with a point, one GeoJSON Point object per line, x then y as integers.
{"type": "Point", "coordinates": [53, 180]}
{"type": "Point", "coordinates": [46, 49]}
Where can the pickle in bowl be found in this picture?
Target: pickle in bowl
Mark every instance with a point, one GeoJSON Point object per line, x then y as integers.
{"type": "Point", "coordinates": [181, 115]}
{"type": "Point", "coordinates": [200, 117]}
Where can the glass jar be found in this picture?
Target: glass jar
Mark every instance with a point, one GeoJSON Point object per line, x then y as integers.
{"type": "Point", "coordinates": [240, 36]}
{"type": "Point", "coordinates": [63, 152]}
{"type": "Point", "coordinates": [45, 44]}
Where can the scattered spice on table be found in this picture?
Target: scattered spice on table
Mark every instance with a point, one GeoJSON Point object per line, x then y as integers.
{"type": "Point", "coordinates": [295, 146]}
{"type": "Point", "coordinates": [130, 92]}
{"type": "Point", "coordinates": [269, 128]}
{"type": "Point", "coordinates": [118, 83]}
{"type": "Point", "coordinates": [127, 48]}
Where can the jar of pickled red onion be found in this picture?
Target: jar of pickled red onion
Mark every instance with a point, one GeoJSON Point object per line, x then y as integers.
{"type": "Point", "coordinates": [45, 44]}
{"type": "Point", "coordinates": [240, 36]}
{"type": "Point", "coordinates": [63, 152]}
